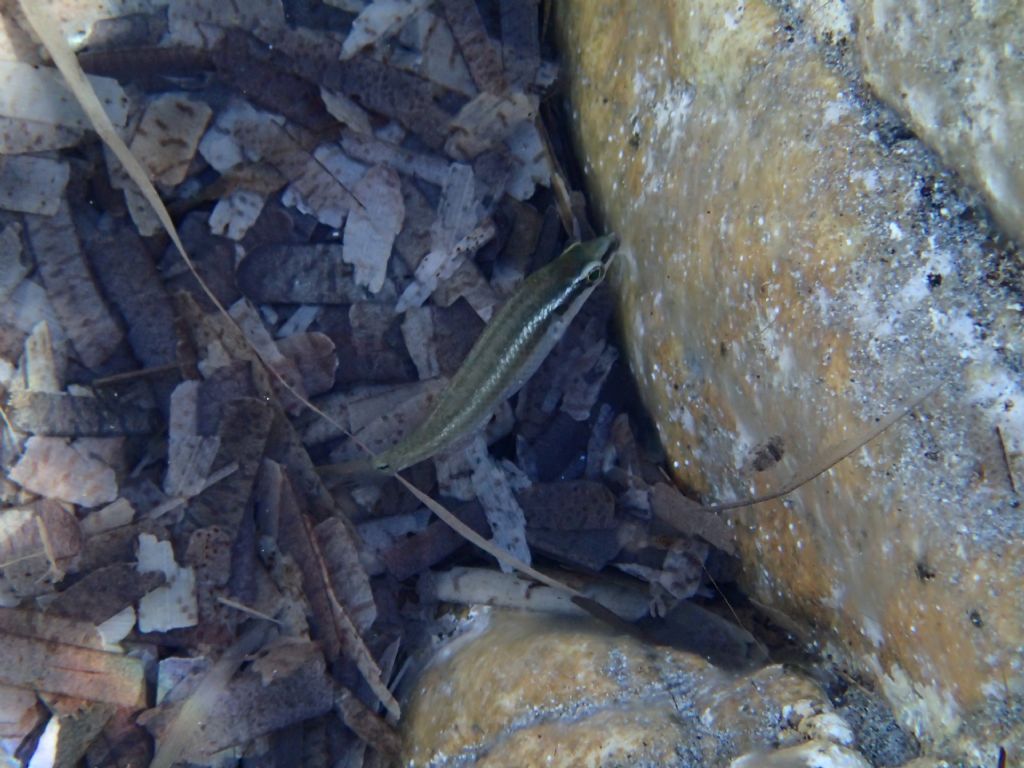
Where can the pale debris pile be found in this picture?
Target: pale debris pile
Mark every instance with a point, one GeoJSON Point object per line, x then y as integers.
{"type": "Point", "coordinates": [361, 185]}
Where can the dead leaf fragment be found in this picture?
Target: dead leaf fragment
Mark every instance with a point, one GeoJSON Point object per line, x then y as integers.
{"type": "Point", "coordinates": [41, 539]}
{"type": "Point", "coordinates": [32, 184]}
{"type": "Point", "coordinates": [486, 121]}
{"type": "Point", "coordinates": [45, 362]}
{"type": "Point", "coordinates": [337, 629]}
{"type": "Point", "coordinates": [433, 53]}
{"type": "Point", "coordinates": [50, 466]}
{"type": "Point", "coordinates": [73, 725]}
{"type": "Point", "coordinates": [63, 415]}
{"type": "Point", "coordinates": [103, 593]}
{"type": "Point", "coordinates": [126, 272]}
{"type": "Point", "coordinates": [299, 274]}
{"type": "Point", "coordinates": [241, 133]}
{"type": "Point", "coordinates": [341, 558]}
{"type": "Point", "coordinates": [375, 151]}
{"type": "Point", "coordinates": [399, 95]}
{"type": "Point", "coordinates": [39, 95]}
{"type": "Point", "coordinates": [201, 24]}
{"type": "Point", "coordinates": [171, 606]}
{"type": "Point", "coordinates": [380, 419]}
{"type": "Point", "coordinates": [235, 213]}
{"type": "Point", "coordinates": [190, 455]}
{"type": "Point", "coordinates": [419, 552]}
{"type": "Point", "coordinates": [418, 333]}
{"type": "Point", "coordinates": [376, 21]}
{"type": "Point", "coordinates": [228, 708]}
{"type": "Point", "coordinates": [479, 50]}
{"type": "Point", "coordinates": [15, 265]}
{"type": "Point", "coordinates": [314, 356]}
{"type": "Point", "coordinates": [18, 713]}
{"type": "Point", "coordinates": [168, 134]}
{"type": "Point", "coordinates": [69, 284]}
{"type": "Point", "coordinates": [492, 488]}
{"type": "Point", "coordinates": [368, 725]}
{"type": "Point", "coordinates": [265, 76]}
{"type": "Point", "coordinates": [371, 229]}
{"type": "Point", "coordinates": [686, 516]}
{"type": "Point", "coordinates": [37, 651]}
{"type": "Point", "coordinates": [520, 41]}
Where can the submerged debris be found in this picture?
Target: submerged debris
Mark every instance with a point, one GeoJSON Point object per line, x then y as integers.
{"type": "Point", "coordinates": [360, 190]}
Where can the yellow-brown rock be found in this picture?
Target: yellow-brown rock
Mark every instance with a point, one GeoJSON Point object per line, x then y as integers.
{"type": "Point", "coordinates": [955, 72]}
{"type": "Point", "coordinates": [795, 266]}
{"type": "Point", "coordinates": [525, 689]}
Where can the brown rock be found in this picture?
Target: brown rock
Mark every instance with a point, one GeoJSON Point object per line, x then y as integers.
{"type": "Point", "coordinates": [529, 689]}
{"type": "Point", "coordinates": [793, 268]}
{"type": "Point", "coordinates": [951, 70]}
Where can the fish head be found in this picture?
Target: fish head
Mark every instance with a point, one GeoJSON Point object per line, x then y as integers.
{"type": "Point", "coordinates": [584, 265]}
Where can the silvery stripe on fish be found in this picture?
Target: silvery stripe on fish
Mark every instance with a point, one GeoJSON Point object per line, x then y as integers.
{"type": "Point", "coordinates": [509, 350]}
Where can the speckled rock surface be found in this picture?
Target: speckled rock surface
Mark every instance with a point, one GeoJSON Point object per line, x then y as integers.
{"type": "Point", "coordinates": [955, 72]}
{"type": "Point", "coordinates": [524, 689]}
{"type": "Point", "coordinates": [795, 266]}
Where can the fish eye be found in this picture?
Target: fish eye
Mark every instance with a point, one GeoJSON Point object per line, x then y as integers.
{"type": "Point", "coordinates": [594, 274]}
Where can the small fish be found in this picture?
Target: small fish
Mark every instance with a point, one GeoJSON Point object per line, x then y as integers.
{"type": "Point", "coordinates": [508, 352]}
